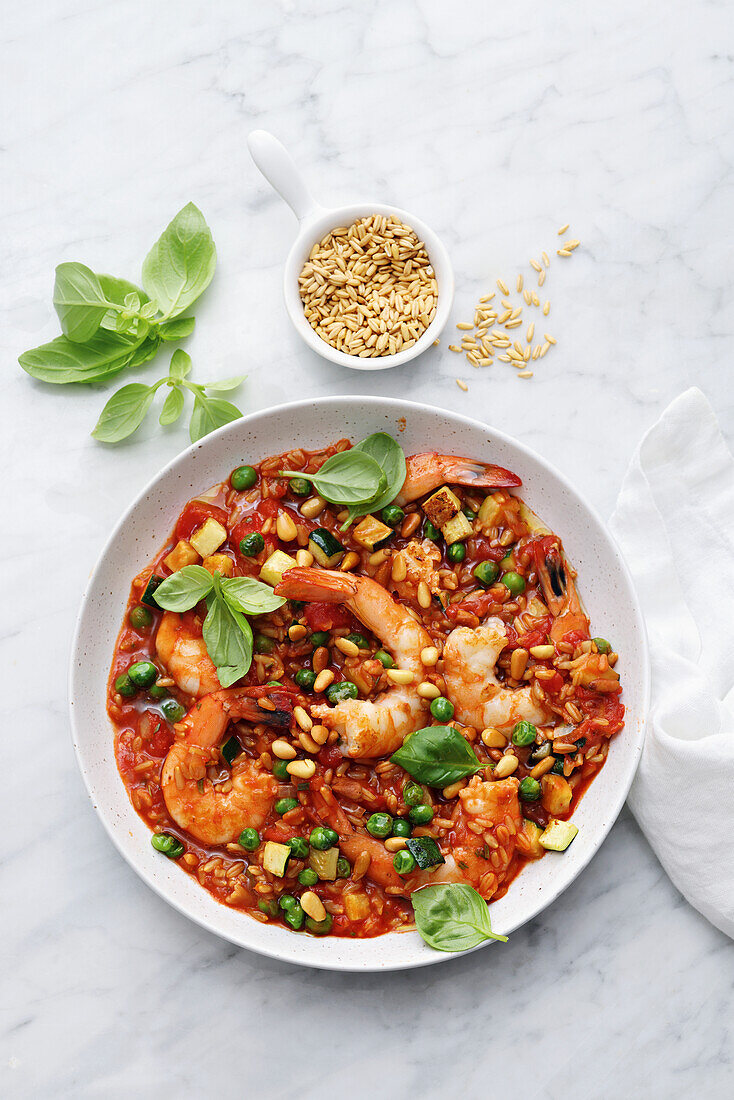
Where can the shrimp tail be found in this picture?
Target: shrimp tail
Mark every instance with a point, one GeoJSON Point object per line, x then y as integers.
{"type": "Point", "coordinates": [551, 572]}
{"type": "Point", "coordinates": [316, 584]}
{"type": "Point", "coordinates": [429, 470]}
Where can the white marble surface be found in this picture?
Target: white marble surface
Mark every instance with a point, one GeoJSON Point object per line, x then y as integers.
{"type": "Point", "coordinates": [495, 124]}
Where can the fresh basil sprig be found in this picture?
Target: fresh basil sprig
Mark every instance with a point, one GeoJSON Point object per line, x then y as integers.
{"type": "Point", "coordinates": [125, 411]}
{"type": "Point", "coordinates": [227, 633]}
{"type": "Point", "coordinates": [437, 756]}
{"type": "Point", "coordinates": [390, 458]}
{"type": "Point", "coordinates": [452, 917]}
{"type": "Point", "coordinates": [365, 478]}
{"type": "Point", "coordinates": [109, 324]}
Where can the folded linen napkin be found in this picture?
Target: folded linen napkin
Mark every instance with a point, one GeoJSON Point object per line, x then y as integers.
{"type": "Point", "coordinates": [674, 521]}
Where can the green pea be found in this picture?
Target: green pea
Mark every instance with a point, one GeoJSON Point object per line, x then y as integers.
{"type": "Point", "coordinates": [486, 573]}
{"type": "Point", "coordinates": [305, 679]}
{"type": "Point", "coordinates": [379, 825]}
{"type": "Point", "coordinates": [141, 617]}
{"type": "Point", "coordinates": [244, 477]}
{"type": "Point", "coordinates": [172, 710]}
{"type": "Point", "coordinates": [320, 927]}
{"type": "Point", "coordinates": [143, 674]}
{"type": "Point", "coordinates": [294, 917]}
{"type": "Point", "coordinates": [287, 901]}
{"type": "Point", "coordinates": [280, 770]}
{"type": "Point", "coordinates": [403, 862]}
{"type": "Point", "coordinates": [524, 734]}
{"type": "Point", "coordinates": [158, 692]}
{"type": "Point", "coordinates": [431, 532]}
{"type": "Point", "coordinates": [343, 868]}
{"type": "Point", "coordinates": [261, 643]}
{"type": "Point", "coordinates": [283, 805]}
{"type": "Point", "coordinates": [343, 690]}
{"type": "Point", "coordinates": [529, 789]}
{"type": "Point", "coordinates": [359, 640]}
{"type": "Point", "coordinates": [301, 486]}
{"type": "Point", "coordinates": [249, 839]}
{"type": "Point", "coordinates": [125, 686]}
{"type": "Point", "coordinates": [401, 827]}
{"type": "Point", "coordinates": [469, 513]}
{"type": "Point", "coordinates": [167, 844]}
{"type": "Point", "coordinates": [322, 838]}
{"type": "Point", "coordinates": [269, 908]}
{"type": "Point", "coordinates": [442, 709]}
{"type": "Point", "coordinates": [252, 544]}
{"type": "Point", "coordinates": [514, 582]}
{"type": "Point", "coordinates": [385, 659]}
{"type": "Point", "coordinates": [412, 794]}
{"type": "Point", "coordinates": [392, 515]}
{"type": "Point", "coordinates": [307, 877]}
{"type": "Point", "coordinates": [456, 552]}
{"type": "Point", "coordinates": [299, 846]}
{"type": "Point", "coordinates": [421, 815]}
{"type": "Point", "coordinates": [319, 638]}
{"type": "Point", "coordinates": [602, 645]}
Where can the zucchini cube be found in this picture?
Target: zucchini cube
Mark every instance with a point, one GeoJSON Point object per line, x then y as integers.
{"type": "Point", "coordinates": [182, 554]}
{"type": "Point", "coordinates": [457, 528]}
{"type": "Point", "coordinates": [208, 538]}
{"type": "Point", "coordinates": [558, 835]}
{"type": "Point", "coordinates": [324, 863]}
{"type": "Point", "coordinates": [275, 857]}
{"type": "Point", "coordinates": [275, 566]}
{"type": "Point", "coordinates": [325, 547]}
{"type": "Point", "coordinates": [221, 563]}
{"type": "Point", "coordinates": [372, 533]}
{"type": "Point", "coordinates": [442, 506]}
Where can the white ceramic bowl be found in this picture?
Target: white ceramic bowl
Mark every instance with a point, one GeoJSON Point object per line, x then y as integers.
{"type": "Point", "coordinates": [605, 586]}
{"type": "Point", "coordinates": [316, 221]}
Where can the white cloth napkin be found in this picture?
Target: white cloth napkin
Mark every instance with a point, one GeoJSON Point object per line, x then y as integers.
{"type": "Point", "coordinates": [674, 521]}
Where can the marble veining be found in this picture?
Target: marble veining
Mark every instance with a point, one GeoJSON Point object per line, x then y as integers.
{"type": "Point", "coordinates": [496, 127]}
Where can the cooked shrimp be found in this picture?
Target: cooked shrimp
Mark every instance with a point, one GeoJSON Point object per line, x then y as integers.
{"type": "Point", "coordinates": [216, 813]}
{"type": "Point", "coordinates": [420, 560]}
{"type": "Point", "coordinates": [183, 654]}
{"type": "Point", "coordinates": [469, 660]}
{"type": "Point", "coordinates": [430, 470]}
{"type": "Point", "coordinates": [368, 728]}
{"type": "Point", "coordinates": [485, 833]}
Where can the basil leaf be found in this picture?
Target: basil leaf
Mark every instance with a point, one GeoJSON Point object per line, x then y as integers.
{"type": "Point", "coordinates": [79, 301]}
{"type": "Point", "coordinates": [124, 412]}
{"type": "Point", "coordinates": [172, 407]}
{"type": "Point", "coordinates": [390, 458]}
{"type": "Point", "coordinates": [437, 756]}
{"type": "Point", "coordinates": [184, 589]}
{"type": "Point", "coordinates": [452, 917]}
{"type": "Point", "coordinates": [180, 365]}
{"type": "Point", "coordinates": [146, 351]}
{"type": "Point", "coordinates": [349, 477]}
{"type": "Point", "coordinates": [210, 414]}
{"type": "Point", "coordinates": [226, 384]}
{"type": "Point", "coordinates": [117, 290]}
{"type": "Point", "coordinates": [249, 596]}
{"type": "Point", "coordinates": [62, 361]}
{"type": "Point", "coordinates": [228, 639]}
{"type": "Point", "coordinates": [180, 265]}
{"type": "Point", "coordinates": [176, 329]}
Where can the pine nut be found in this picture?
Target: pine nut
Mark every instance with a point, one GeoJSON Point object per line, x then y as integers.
{"type": "Point", "coordinates": [399, 569]}
{"type": "Point", "coordinates": [312, 507]}
{"type": "Point", "coordinates": [506, 766]}
{"type": "Point", "coordinates": [349, 649]}
{"type": "Point", "coordinates": [453, 790]}
{"type": "Point", "coordinates": [349, 561]}
{"type": "Point", "coordinates": [320, 658]}
{"type": "Point", "coordinates": [319, 734]}
{"type": "Point", "coordinates": [400, 675]}
{"type": "Point", "coordinates": [283, 750]}
{"type": "Point", "coordinates": [493, 739]}
{"type": "Point", "coordinates": [542, 652]}
{"type": "Point", "coordinates": [563, 746]}
{"type": "Point", "coordinates": [285, 527]}
{"type": "Point", "coordinates": [543, 767]}
{"type": "Point", "coordinates": [301, 769]}
{"type": "Point", "coordinates": [323, 680]}
{"type": "Point", "coordinates": [378, 557]}
{"type": "Point", "coordinates": [312, 905]}
{"type": "Point", "coordinates": [303, 718]}
{"type": "Point", "coordinates": [424, 595]}
{"type": "Point", "coordinates": [297, 632]}
{"type": "Point", "coordinates": [361, 864]}
{"type": "Point", "coordinates": [427, 690]}
{"type": "Point", "coordinates": [395, 843]}
{"type": "Point", "coordinates": [410, 524]}
{"type": "Point", "coordinates": [304, 558]}
{"type": "Point", "coordinates": [429, 656]}
{"type": "Point", "coordinates": [518, 663]}
{"type": "Point", "coordinates": [308, 742]}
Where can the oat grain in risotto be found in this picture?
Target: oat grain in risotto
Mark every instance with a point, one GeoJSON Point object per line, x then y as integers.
{"type": "Point", "coordinates": [348, 675]}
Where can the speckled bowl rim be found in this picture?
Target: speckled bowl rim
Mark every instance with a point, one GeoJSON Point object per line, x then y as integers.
{"type": "Point", "coordinates": [529, 894]}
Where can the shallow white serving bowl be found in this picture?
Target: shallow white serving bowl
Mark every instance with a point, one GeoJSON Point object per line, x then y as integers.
{"type": "Point", "coordinates": [605, 586]}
